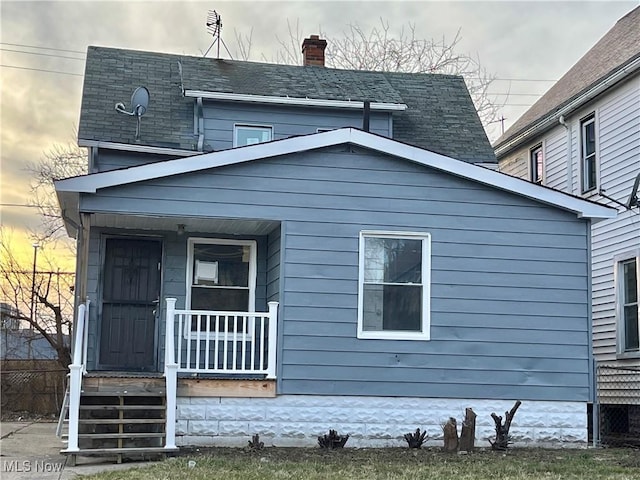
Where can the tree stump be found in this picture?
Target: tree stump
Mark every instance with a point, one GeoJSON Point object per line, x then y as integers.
{"type": "Point", "coordinates": [502, 431]}
{"type": "Point", "coordinates": [450, 431]}
{"type": "Point", "coordinates": [468, 434]}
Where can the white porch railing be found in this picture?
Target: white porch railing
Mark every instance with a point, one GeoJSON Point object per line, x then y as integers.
{"type": "Point", "coordinates": [76, 371]}
{"type": "Point", "coordinates": [231, 343]}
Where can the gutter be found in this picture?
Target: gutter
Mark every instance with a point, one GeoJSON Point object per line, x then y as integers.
{"type": "Point", "coordinates": [137, 148]}
{"type": "Point", "coordinates": [306, 102]}
{"type": "Point", "coordinates": [551, 119]}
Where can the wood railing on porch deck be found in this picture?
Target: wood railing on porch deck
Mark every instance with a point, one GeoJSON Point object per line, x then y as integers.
{"type": "Point", "coordinates": [230, 343]}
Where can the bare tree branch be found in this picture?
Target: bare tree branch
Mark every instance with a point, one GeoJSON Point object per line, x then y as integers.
{"type": "Point", "coordinates": [58, 163]}
{"type": "Point", "coordinates": [51, 289]}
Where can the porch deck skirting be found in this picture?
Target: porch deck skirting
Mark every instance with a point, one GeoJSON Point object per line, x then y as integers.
{"type": "Point", "coordinates": [297, 420]}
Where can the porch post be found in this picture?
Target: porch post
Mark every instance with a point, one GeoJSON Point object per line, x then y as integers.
{"type": "Point", "coordinates": [83, 265]}
{"type": "Point", "coordinates": [171, 376]}
{"type": "Point", "coordinates": [273, 339]}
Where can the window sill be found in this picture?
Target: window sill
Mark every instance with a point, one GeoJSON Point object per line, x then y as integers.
{"type": "Point", "coordinates": [628, 355]}
{"type": "Point", "coordinates": [393, 335]}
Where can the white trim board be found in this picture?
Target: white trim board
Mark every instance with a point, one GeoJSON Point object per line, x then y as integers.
{"type": "Point", "coordinates": [94, 182]}
{"type": "Point", "coordinates": [294, 101]}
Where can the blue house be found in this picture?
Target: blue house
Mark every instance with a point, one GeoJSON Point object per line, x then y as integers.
{"type": "Point", "coordinates": [286, 249]}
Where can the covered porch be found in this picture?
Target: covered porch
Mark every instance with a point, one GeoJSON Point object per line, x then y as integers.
{"type": "Point", "coordinates": [150, 302]}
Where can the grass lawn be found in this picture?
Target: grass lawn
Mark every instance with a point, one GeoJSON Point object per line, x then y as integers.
{"type": "Point", "coordinates": [389, 464]}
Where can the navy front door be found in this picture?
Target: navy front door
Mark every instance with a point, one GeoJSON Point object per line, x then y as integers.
{"type": "Point", "coordinates": [130, 297]}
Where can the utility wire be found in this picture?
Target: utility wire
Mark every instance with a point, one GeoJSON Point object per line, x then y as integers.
{"type": "Point", "coordinates": [42, 54]}
{"type": "Point", "coordinates": [525, 80]}
{"type": "Point", "coordinates": [18, 205]}
{"type": "Point", "coordinates": [41, 70]}
{"type": "Point", "coordinates": [42, 48]}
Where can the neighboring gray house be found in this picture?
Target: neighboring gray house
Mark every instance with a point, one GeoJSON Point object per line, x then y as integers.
{"type": "Point", "coordinates": [583, 137]}
{"type": "Point", "coordinates": [295, 279]}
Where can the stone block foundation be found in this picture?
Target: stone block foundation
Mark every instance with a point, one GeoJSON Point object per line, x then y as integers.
{"type": "Point", "coordinates": [297, 420]}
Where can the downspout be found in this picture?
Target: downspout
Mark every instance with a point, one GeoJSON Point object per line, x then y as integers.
{"type": "Point", "coordinates": [569, 188]}
{"type": "Point", "coordinates": [200, 123]}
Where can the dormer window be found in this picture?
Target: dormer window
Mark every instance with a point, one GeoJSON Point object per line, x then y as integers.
{"type": "Point", "coordinates": [250, 134]}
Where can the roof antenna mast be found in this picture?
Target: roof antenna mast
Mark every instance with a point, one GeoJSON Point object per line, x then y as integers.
{"type": "Point", "coordinates": [214, 27]}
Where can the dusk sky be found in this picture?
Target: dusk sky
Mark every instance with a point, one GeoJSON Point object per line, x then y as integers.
{"type": "Point", "coordinates": [524, 44]}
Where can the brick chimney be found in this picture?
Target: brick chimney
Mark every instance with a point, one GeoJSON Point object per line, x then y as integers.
{"type": "Point", "coordinates": [313, 51]}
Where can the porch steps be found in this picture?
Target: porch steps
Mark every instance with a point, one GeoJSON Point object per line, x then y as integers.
{"type": "Point", "coordinates": [121, 418]}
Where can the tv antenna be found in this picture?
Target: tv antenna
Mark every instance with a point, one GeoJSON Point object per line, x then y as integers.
{"type": "Point", "coordinates": [214, 27]}
{"type": "Point", "coordinates": [139, 104]}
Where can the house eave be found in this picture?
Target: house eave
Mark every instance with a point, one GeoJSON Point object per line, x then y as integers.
{"type": "Point", "coordinates": [550, 119]}
{"type": "Point", "coordinates": [292, 101]}
{"type": "Point", "coordinates": [92, 183]}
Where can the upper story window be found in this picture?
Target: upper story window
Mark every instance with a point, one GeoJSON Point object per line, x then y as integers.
{"type": "Point", "coordinates": [588, 153]}
{"type": "Point", "coordinates": [628, 305]}
{"type": "Point", "coordinates": [251, 134]}
{"type": "Point", "coordinates": [536, 164]}
{"type": "Point", "coordinates": [394, 285]}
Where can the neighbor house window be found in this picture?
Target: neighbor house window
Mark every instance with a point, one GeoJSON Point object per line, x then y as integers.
{"type": "Point", "coordinates": [221, 275]}
{"type": "Point", "coordinates": [394, 285]}
{"type": "Point", "coordinates": [628, 306]}
{"type": "Point", "coordinates": [536, 164]}
{"type": "Point", "coordinates": [251, 134]}
{"type": "Point", "coordinates": [588, 153]}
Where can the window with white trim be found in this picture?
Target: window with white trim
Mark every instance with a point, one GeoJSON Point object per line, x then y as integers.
{"type": "Point", "coordinates": [251, 134]}
{"type": "Point", "coordinates": [628, 307]}
{"type": "Point", "coordinates": [394, 285]}
{"type": "Point", "coordinates": [588, 153]}
{"type": "Point", "coordinates": [221, 274]}
{"type": "Point", "coordinates": [536, 164]}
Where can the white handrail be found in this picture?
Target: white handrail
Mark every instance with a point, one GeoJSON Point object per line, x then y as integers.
{"type": "Point", "coordinates": [85, 339]}
{"type": "Point", "coordinates": [75, 376]}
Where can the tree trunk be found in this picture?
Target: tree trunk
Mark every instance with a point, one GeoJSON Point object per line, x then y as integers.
{"type": "Point", "coordinates": [502, 431]}
{"type": "Point", "coordinates": [450, 431]}
{"type": "Point", "coordinates": [468, 434]}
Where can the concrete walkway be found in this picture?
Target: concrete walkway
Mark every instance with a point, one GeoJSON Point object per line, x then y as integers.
{"type": "Point", "coordinates": [31, 450]}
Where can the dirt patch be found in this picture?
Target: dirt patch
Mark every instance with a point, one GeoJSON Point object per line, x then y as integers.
{"type": "Point", "coordinates": [23, 416]}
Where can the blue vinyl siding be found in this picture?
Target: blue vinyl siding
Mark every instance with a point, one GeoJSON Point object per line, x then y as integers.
{"type": "Point", "coordinates": [220, 117]}
{"type": "Point", "coordinates": [509, 306]}
{"type": "Point", "coordinates": [115, 159]}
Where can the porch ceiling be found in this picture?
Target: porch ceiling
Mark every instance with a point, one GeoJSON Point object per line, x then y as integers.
{"type": "Point", "coordinates": [191, 225]}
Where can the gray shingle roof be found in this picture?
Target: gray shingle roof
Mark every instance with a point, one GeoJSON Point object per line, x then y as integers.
{"type": "Point", "coordinates": [440, 116]}
{"type": "Point", "coordinates": [619, 47]}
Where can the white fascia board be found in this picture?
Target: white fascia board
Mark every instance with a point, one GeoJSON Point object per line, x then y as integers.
{"type": "Point", "coordinates": [92, 183]}
{"type": "Point", "coordinates": [132, 147]}
{"type": "Point", "coordinates": [580, 207]}
{"type": "Point", "coordinates": [294, 101]}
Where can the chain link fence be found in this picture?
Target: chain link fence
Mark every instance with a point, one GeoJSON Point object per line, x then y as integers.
{"type": "Point", "coordinates": [32, 386]}
{"type": "Point", "coordinates": [618, 405]}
